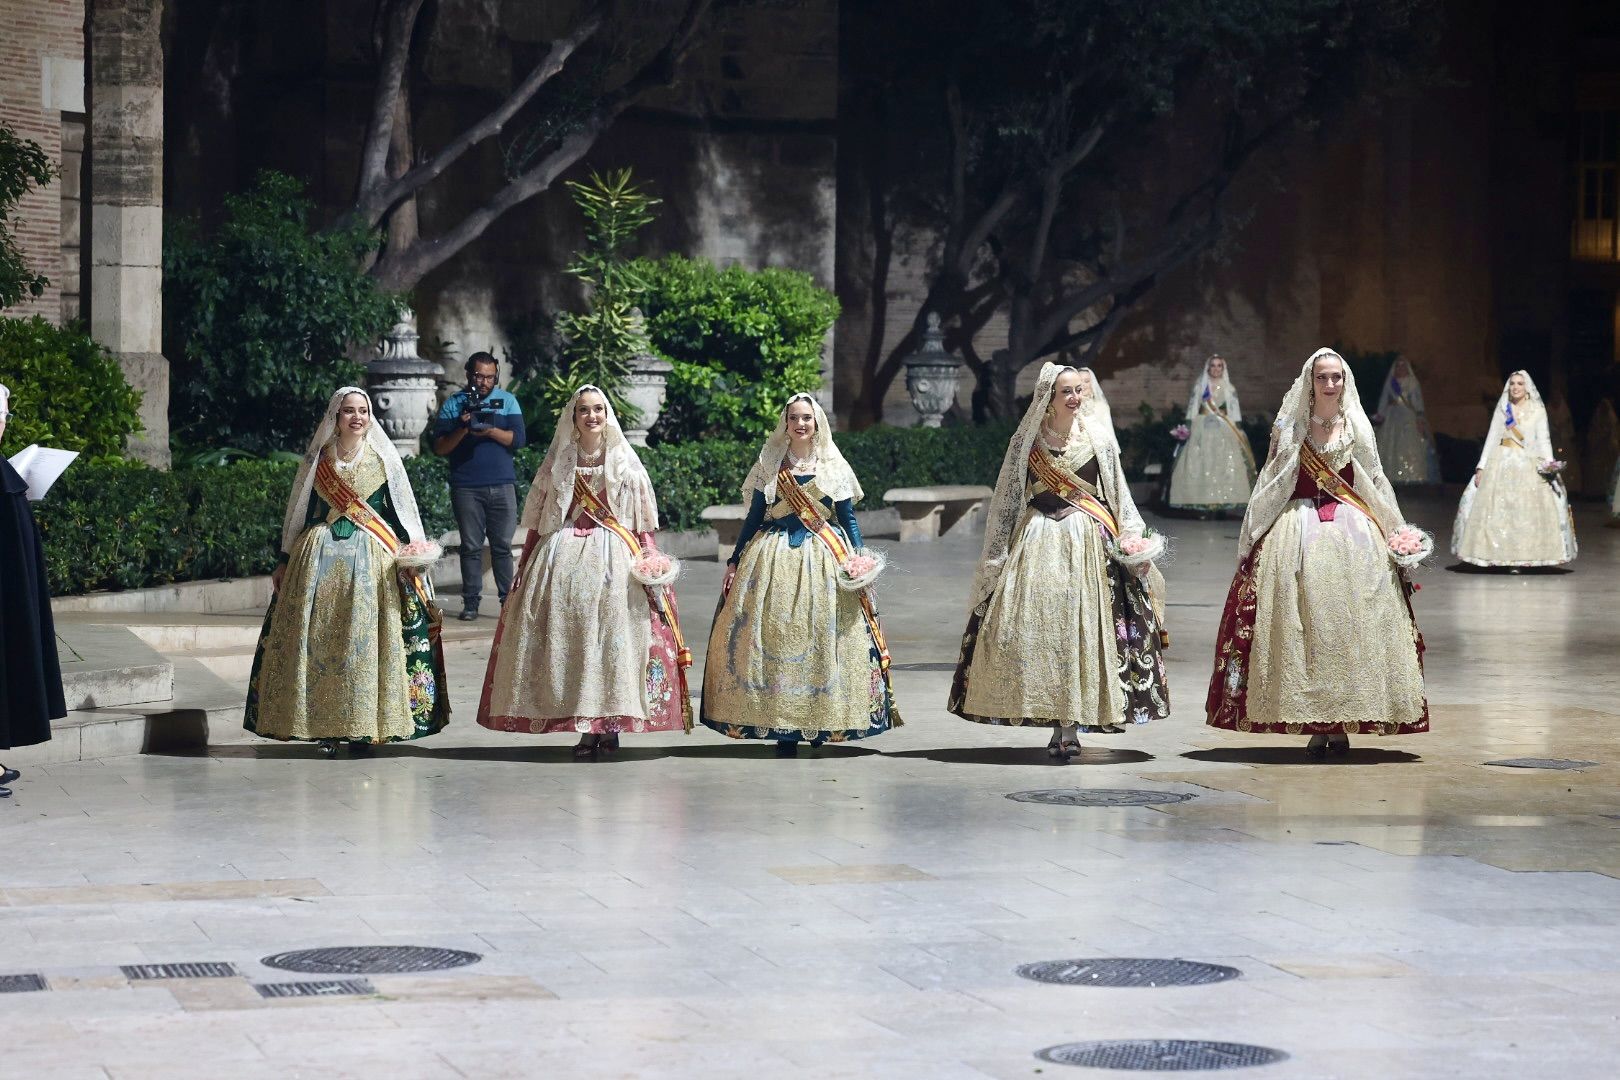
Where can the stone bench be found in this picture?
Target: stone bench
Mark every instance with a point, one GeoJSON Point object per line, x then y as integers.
{"type": "Point", "coordinates": [927, 513]}
{"type": "Point", "coordinates": [727, 523]}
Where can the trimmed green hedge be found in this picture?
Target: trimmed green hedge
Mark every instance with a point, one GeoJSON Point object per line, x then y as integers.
{"type": "Point", "coordinates": [112, 524]}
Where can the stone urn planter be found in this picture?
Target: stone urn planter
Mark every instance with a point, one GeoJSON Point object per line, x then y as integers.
{"type": "Point", "coordinates": [645, 389]}
{"type": "Point", "coordinates": [404, 387]}
{"type": "Point", "coordinates": [932, 375]}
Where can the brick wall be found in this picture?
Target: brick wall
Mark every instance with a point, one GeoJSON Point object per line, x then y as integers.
{"type": "Point", "coordinates": [41, 77]}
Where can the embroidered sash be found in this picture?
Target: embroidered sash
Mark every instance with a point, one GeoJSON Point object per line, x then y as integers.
{"type": "Point", "coordinates": [1071, 489]}
{"type": "Point", "coordinates": [1237, 432]}
{"type": "Point", "coordinates": [1333, 485]}
{"type": "Point", "coordinates": [819, 527]}
{"type": "Point", "coordinates": [599, 511]}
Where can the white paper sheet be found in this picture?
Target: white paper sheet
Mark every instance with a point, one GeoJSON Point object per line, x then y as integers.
{"type": "Point", "coordinates": [41, 466]}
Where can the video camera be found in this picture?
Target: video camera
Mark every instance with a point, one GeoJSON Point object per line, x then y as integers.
{"type": "Point", "coordinates": [481, 413]}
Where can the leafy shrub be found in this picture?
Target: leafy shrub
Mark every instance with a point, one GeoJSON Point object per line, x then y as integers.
{"type": "Point", "coordinates": [113, 524]}
{"type": "Point", "coordinates": [23, 167]}
{"type": "Point", "coordinates": [66, 390]}
{"type": "Point", "coordinates": [742, 341]}
{"type": "Point", "coordinates": [262, 314]}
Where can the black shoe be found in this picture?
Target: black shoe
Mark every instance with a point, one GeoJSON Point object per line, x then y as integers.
{"type": "Point", "coordinates": [468, 614]}
{"type": "Point", "coordinates": [1317, 747]}
{"type": "Point", "coordinates": [8, 776]}
{"type": "Point", "coordinates": [787, 748]}
{"type": "Point", "coordinates": [329, 748]}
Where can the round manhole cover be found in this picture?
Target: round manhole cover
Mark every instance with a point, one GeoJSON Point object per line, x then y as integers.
{"type": "Point", "coordinates": [1127, 972]}
{"type": "Point", "coordinates": [1161, 1055]}
{"type": "Point", "coordinates": [371, 960]}
{"type": "Point", "coordinates": [1099, 797]}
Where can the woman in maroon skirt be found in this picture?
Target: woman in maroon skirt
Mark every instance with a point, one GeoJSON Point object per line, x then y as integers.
{"type": "Point", "coordinates": [1318, 635]}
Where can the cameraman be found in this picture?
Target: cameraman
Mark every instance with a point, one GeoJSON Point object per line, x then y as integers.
{"type": "Point", "coordinates": [479, 429]}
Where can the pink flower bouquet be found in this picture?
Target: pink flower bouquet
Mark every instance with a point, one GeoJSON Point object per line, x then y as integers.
{"type": "Point", "coordinates": [418, 555]}
{"type": "Point", "coordinates": [655, 568]}
{"type": "Point", "coordinates": [1550, 468]}
{"type": "Point", "coordinates": [1410, 545]}
{"type": "Point", "coordinates": [860, 570]}
{"type": "Point", "coordinates": [1181, 433]}
{"type": "Point", "coordinates": [1136, 552]}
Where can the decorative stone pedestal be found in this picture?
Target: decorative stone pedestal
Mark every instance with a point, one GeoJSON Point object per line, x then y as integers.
{"type": "Point", "coordinates": [645, 389]}
{"type": "Point", "coordinates": [932, 375]}
{"type": "Point", "coordinates": [404, 387]}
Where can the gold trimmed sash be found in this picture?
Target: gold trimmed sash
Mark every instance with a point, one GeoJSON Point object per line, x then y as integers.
{"type": "Point", "coordinates": [1071, 489]}
{"type": "Point", "coordinates": [1237, 432]}
{"type": "Point", "coordinates": [822, 530]}
{"type": "Point", "coordinates": [337, 492]}
{"type": "Point", "coordinates": [599, 511]}
{"type": "Point", "coordinates": [1332, 484]}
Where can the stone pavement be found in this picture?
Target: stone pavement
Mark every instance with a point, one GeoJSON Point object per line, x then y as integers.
{"type": "Point", "coordinates": [699, 908]}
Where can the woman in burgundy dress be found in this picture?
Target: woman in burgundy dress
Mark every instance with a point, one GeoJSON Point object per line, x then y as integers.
{"type": "Point", "coordinates": [1318, 635]}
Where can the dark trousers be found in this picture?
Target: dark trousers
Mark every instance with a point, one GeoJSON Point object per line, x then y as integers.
{"type": "Point", "coordinates": [485, 512]}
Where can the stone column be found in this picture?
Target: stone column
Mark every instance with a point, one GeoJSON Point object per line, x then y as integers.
{"type": "Point", "coordinates": [125, 147]}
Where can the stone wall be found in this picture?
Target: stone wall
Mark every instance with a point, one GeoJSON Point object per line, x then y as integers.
{"type": "Point", "coordinates": [41, 78]}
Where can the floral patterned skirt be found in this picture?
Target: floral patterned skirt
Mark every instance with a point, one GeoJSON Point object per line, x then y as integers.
{"type": "Point", "coordinates": [790, 656]}
{"type": "Point", "coordinates": [1068, 637]}
{"type": "Point", "coordinates": [346, 652]}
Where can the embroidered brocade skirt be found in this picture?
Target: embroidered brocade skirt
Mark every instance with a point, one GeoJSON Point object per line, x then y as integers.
{"type": "Point", "coordinates": [1515, 517]}
{"type": "Point", "coordinates": [1212, 472]}
{"type": "Point", "coordinates": [1318, 635]}
{"type": "Point", "coordinates": [346, 652]}
{"type": "Point", "coordinates": [791, 656]}
{"type": "Point", "coordinates": [1408, 456]}
{"type": "Point", "coordinates": [579, 648]}
{"type": "Point", "coordinates": [1068, 637]}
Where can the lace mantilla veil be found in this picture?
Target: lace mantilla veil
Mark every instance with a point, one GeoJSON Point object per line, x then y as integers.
{"type": "Point", "coordinates": [1275, 487]}
{"type": "Point", "coordinates": [1012, 494]}
{"type": "Point", "coordinates": [1222, 394]}
{"type": "Point", "coordinates": [399, 485]}
{"type": "Point", "coordinates": [629, 488]}
{"type": "Point", "coordinates": [1538, 437]}
{"type": "Point", "coordinates": [833, 475]}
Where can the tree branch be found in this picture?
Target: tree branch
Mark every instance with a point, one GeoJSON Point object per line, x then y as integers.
{"type": "Point", "coordinates": [398, 19]}
{"type": "Point", "coordinates": [376, 198]}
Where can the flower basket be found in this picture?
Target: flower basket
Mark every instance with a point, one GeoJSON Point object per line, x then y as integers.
{"type": "Point", "coordinates": [1409, 546]}
{"type": "Point", "coordinates": [861, 569]}
{"type": "Point", "coordinates": [418, 555]}
{"type": "Point", "coordinates": [654, 568]}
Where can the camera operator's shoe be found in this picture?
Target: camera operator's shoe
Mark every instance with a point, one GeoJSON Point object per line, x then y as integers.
{"type": "Point", "coordinates": [469, 613]}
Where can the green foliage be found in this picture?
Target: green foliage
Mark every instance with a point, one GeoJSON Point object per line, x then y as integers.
{"type": "Point", "coordinates": [598, 343]}
{"type": "Point", "coordinates": [67, 391]}
{"type": "Point", "coordinates": [23, 167]}
{"type": "Point", "coordinates": [263, 313]}
{"type": "Point", "coordinates": [742, 341]}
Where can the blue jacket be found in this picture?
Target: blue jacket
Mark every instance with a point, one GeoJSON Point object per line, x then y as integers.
{"type": "Point", "coordinates": [476, 461]}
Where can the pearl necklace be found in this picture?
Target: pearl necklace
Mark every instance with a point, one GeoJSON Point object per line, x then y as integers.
{"type": "Point", "coordinates": [354, 455]}
{"type": "Point", "coordinates": [798, 464]}
{"type": "Point", "coordinates": [589, 461]}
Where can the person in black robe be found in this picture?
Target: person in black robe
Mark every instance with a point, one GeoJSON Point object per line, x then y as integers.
{"type": "Point", "coordinates": [30, 677]}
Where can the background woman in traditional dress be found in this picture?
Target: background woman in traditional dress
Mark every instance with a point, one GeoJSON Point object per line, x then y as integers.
{"type": "Point", "coordinates": [30, 677]}
{"type": "Point", "coordinates": [1317, 636]}
{"type": "Point", "coordinates": [1060, 633]}
{"type": "Point", "coordinates": [797, 652]}
{"type": "Point", "coordinates": [589, 638]}
{"type": "Point", "coordinates": [1511, 514]}
{"type": "Point", "coordinates": [1215, 468]}
{"type": "Point", "coordinates": [1405, 443]}
{"type": "Point", "coordinates": [349, 651]}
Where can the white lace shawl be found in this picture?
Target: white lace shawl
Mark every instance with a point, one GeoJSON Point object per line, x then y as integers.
{"type": "Point", "coordinates": [1275, 486]}
{"type": "Point", "coordinates": [629, 488]}
{"type": "Point", "coordinates": [1411, 390]}
{"type": "Point", "coordinates": [399, 485]}
{"type": "Point", "coordinates": [1222, 394]}
{"type": "Point", "coordinates": [1097, 406]}
{"type": "Point", "coordinates": [1012, 485]}
{"type": "Point", "coordinates": [1530, 417]}
{"type": "Point", "coordinates": [833, 475]}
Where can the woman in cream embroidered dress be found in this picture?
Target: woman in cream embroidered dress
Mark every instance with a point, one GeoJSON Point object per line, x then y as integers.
{"type": "Point", "coordinates": [347, 653]}
{"type": "Point", "coordinates": [793, 657]}
{"type": "Point", "coordinates": [1060, 634]}
{"type": "Point", "coordinates": [1318, 636]}
{"type": "Point", "coordinates": [1512, 515]}
{"type": "Point", "coordinates": [584, 645]}
{"type": "Point", "coordinates": [1405, 443]}
{"type": "Point", "coordinates": [1215, 469]}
